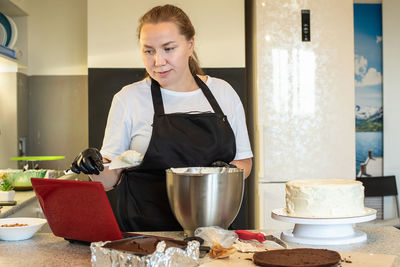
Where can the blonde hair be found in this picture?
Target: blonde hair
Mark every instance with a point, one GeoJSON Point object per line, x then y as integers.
{"type": "Point", "coordinates": [170, 13]}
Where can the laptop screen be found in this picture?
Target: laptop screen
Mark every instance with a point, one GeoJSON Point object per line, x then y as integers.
{"type": "Point", "coordinates": [77, 210]}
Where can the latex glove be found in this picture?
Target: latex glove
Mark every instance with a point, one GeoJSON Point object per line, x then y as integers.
{"type": "Point", "coordinates": [89, 161]}
{"type": "Point", "coordinates": [222, 164]}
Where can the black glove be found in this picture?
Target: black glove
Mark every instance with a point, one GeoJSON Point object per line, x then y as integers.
{"type": "Point", "coordinates": [222, 164]}
{"type": "Point", "coordinates": [89, 161]}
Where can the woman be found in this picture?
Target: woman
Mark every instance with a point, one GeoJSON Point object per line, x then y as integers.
{"type": "Point", "coordinates": [176, 117]}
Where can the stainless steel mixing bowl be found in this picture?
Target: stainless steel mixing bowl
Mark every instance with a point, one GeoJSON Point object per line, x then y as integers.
{"type": "Point", "coordinates": [210, 197]}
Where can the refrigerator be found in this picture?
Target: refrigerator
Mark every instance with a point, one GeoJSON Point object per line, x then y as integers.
{"type": "Point", "coordinates": [301, 72]}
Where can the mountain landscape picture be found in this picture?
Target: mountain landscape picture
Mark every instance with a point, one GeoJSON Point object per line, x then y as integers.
{"type": "Point", "coordinates": [368, 84]}
{"type": "Point", "coordinates": [369, 119]}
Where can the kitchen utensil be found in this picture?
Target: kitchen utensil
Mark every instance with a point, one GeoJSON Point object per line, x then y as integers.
{"type": "Point", "coordinates": [20, 232]}
{"type": "Point", "coordinates": [7, 26]}
{"type": "Point", "coordinates": [38, 158]}
{"type": "Point", "coordinates": [31, 160]}
{"type": "Point", "coordinates": [261, 237]}
{"type": "Point", "coordinates": [69, 172]}
{"type": "Point", "coordinates": [14, 32]}
{"type": "Point", "coordinates": [323, 231]}
{"type": "Point", "coordinates": [8, 203]}
{"type": "Point", "coordinates": [200, 197]}
{"type": "Point", "coordinates": [128, 159]}
{"type": "Point", "coordinates": [21, 181]}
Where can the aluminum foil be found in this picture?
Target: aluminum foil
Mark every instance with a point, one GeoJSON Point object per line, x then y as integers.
{"type": "Point", "coordinates": [170, 257]}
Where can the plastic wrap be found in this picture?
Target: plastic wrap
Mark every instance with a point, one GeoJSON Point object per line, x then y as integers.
{"type": "Point", "coordinates": [216, 234]}
{"type": "Point", "coordinates": [248, 246]}
{"type": "Point", "coordinates": [170, 257]}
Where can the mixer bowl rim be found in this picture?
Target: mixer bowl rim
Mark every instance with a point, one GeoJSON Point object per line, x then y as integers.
{"type": "Point", "coordinates": [231, 170]}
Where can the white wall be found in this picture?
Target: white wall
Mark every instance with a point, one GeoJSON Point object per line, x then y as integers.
{"type": "Point", "coordinates": [391, 87]}
{"type": "Point", "coordinates": [60, 33]}
{"type": "Point", "coordinates": [56, 36]}
{"type": "Point", "coordinates": [53, 41]}
{"type": "Point", "coordinates": [112, 40]}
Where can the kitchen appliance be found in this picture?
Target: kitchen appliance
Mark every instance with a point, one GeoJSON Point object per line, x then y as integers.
{"type": "Point", "coordinates": [323, 231]}
{"type": "Point", "coordinates": [303, 98]}
{"type": "Point", "coordinates": [205, 196]}
{"type": "Point", "coordinates": [77, 210]}
{"type": "Point", "coordinates": [260, 237]}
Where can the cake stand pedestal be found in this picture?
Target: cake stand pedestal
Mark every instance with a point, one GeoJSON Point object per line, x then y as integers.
{"type": "Point", "coordinates": [323, 231]}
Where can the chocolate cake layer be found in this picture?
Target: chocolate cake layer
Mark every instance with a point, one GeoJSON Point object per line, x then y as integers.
{"type": "Point", "coordinates": [143, 245]}
{"type": "Point", "coordinates": [300, 257]}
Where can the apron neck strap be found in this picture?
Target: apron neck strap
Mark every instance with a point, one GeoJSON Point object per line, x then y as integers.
{"type": "Point", "coordinates": [210, 97]}
{"type": "Point", "coordinates": [157, 98]}
{"type": "Point", "coordinates": [158, 103]}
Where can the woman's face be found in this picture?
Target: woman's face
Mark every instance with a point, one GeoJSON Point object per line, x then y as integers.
{"type": "Point", "coordinates": [165, 53]}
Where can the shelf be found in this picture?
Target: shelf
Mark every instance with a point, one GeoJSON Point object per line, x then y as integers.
{"type": "Point", "coordinates": [11, 64]}
{"type": "Point", "coordinates": [8, 8]}
{"type": "Point", "coordinates": [8, 64]}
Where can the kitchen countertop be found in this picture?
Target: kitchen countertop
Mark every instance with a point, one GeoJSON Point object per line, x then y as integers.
{"type": "Point", "coordinates": [45, 249]}
{"type": "Point", "coordinates": [23, 199]}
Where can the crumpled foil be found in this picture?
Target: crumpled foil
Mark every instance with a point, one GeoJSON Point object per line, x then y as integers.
{"type": "Point", "coordinates": [170, 257]}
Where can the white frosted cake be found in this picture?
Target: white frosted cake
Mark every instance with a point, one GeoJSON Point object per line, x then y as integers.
{"type": "Point", "coordinates": [327, 198]}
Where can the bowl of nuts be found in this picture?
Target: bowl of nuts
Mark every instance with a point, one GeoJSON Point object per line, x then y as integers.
{"type": "Point", "coordinates": [14, 229]}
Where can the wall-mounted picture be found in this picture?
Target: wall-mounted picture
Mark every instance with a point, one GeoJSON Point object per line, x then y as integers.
{"type": "Point", "coordinates": [368, 89]}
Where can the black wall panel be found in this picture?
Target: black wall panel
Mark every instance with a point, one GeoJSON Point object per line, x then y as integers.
{"type": "Point", "coordinates": [104, 83]}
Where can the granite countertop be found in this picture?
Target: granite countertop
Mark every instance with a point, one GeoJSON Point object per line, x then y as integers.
{"type": "Point", "coordinates": [45, 249]}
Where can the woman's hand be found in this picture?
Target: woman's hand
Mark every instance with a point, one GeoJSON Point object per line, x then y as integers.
{"type": "Point", "coordinates": [222, 164]}
{"type": "Point", "coordinates": [245, 164]}
{"type": "Point", "coordinates": [108, 178]}
{"type": "Point", "coordinates": [88, 161]}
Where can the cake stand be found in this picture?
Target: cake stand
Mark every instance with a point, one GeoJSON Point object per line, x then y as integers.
{"type": "Point", "coordinates": [323, 231]}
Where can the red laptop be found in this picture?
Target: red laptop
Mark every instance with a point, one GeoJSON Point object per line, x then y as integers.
{"type": "Point", "coordinates": [77, 210]}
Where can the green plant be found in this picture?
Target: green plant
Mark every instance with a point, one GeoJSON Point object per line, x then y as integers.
{"type": "Point", "coordinates": [5, 185]}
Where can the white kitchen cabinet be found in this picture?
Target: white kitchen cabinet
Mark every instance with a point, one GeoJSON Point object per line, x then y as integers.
{"type": "Point", "coordinates": [8, 111]}
{"type": "Point", "coordinates": [13, 110]}
{"type": "Point", "coordinates": [271, 196]}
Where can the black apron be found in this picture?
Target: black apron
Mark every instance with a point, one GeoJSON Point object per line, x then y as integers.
{"type": "Point", "coordinates": [177, 140]}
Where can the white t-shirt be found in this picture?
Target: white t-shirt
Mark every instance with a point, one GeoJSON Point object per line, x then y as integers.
{"type": "Point", "coordinates": [131, 115]}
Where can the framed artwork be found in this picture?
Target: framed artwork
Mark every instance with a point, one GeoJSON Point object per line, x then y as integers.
{"type": "Point", "coordinates": [368, 89]}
